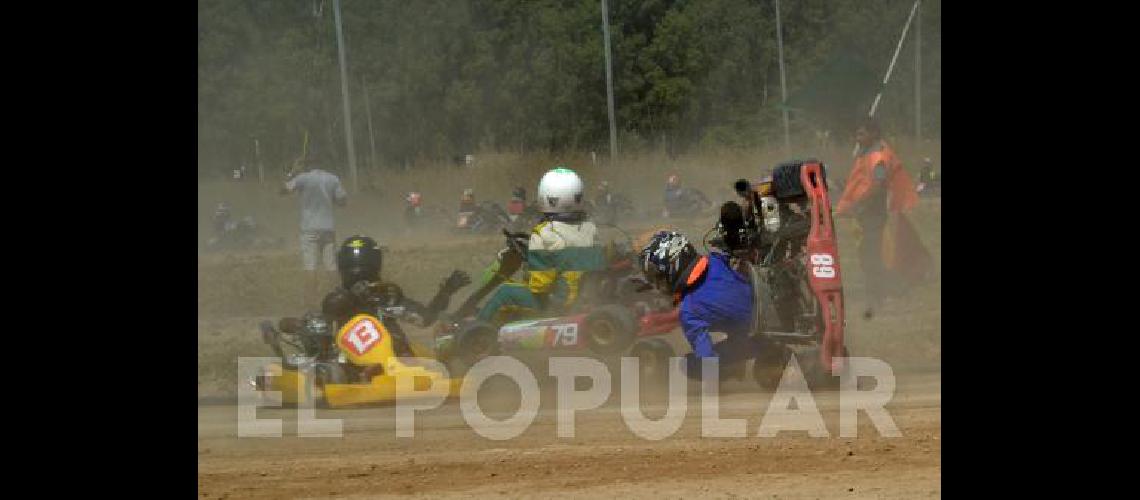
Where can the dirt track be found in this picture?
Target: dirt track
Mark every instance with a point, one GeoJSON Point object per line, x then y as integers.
{"type": "Point", "coordinates": [447, 459]}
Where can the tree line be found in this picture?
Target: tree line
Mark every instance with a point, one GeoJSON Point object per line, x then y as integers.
{"type": "Point", "coordinates": [446, 77]}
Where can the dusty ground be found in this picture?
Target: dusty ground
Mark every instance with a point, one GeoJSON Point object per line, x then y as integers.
{"type": "Point", "coordinates": [447, 459]}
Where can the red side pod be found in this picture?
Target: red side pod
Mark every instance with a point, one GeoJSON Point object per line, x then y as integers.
{"type": "Point", "coordinates": [659, 322]}
{"type": "Point", "coordinates": [823, 264]}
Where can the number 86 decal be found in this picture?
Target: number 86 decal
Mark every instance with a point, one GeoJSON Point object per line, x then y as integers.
{"type": "Point", "coordinates": [822, 265]}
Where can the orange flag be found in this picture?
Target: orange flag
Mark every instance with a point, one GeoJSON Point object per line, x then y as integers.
{"type": "Point", "coordinates": [904, 255]}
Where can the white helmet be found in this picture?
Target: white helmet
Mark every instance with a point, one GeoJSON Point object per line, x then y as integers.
{"type": "Point", "coordinates": [560, 191]}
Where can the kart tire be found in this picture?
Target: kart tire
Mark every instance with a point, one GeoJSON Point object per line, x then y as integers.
{"type": "Point", "coordinates": [331, 373]}
{"type": "Point", "coordinates": [760, 294]}
{"type": "Point", "coordinates": [475, 341]}
{"type": "Point", "coordinates": [815, 373]}
{"type": "Point", "coordinates": [786, 180]}
{"type": "Point", "coordinates": [768, 367]}
{"type": "Point", "coordinates": [653, 361]}
{"type": "Point", "coordinates": [610, 330]}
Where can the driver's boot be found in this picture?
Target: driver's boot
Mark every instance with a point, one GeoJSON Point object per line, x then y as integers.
{"type": "Point", "coordinates": [733, 371]}
{"type": "Point", "coordinates": [731, 358]}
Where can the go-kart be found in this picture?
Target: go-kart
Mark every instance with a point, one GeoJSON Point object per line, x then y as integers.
{"type": "Point", "coordinates": [420, 216]}
{"type": "Point", "coordinates": [784, 240]}
{"type": "Point", "coordinates": [239, 234]}
{"type": "Point", "coordinates": [608, 207]}
{"type": "Point", "coordinates": [685, 202]}
{"type": "Point", "coordinates": [355, 365]}
{"type": "Point", "coordinates": [484, 218]}
{"type": "Point", "coordinates": [614, 316]}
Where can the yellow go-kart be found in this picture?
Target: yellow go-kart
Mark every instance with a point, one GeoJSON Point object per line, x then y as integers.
{"type": "Point", "coordinates": [357, 365]}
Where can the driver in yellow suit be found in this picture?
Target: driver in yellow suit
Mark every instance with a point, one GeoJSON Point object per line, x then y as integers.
{"type": "Point", "coordinates": [561, 249]}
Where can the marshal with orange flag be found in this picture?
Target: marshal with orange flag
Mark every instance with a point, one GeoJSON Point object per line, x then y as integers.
{"type": "Point", "coordinates": [877, 174]}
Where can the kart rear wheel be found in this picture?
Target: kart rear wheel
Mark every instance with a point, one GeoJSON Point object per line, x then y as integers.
{"type": "Point", "coordinates": [816, 373]}
{"type": "Point", "coordinates": [653, 361]}
{"type": "Point", "coordinates": [475, 341]}
{"type": "Point", "coordinates": [768, 368]}
{"type": "Point", "coordinates": [610, 329]}
{"type": "Point", "coordinates": [331, 373]}
{"type": "Point", "coordinates": [786, 180]}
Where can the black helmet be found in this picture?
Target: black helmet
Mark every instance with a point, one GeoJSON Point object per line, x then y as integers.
{"type": "Point", "coordinates": [358, 259]}
{"type": "Point", "coordinates": [667, 260]}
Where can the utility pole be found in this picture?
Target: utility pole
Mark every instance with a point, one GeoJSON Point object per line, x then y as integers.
{"type": "Point", "coordinates": [609, 83]}
{"type": "Point", "coordinates": [257, 159]}
{"type": "Point", "coordinates": [783, 82]}
{"type": "Point", "coordinates": [371, 135]}
{"type": "Point", "coordinates": [344, 96]}
{"type": "Point", "coordinates": [918, 76]}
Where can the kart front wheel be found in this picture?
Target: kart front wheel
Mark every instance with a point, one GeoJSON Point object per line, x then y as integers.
{"type": "Point", "coordinates": [653, 361]}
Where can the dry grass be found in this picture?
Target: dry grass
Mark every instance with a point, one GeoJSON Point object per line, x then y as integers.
{"type": "Point", "coordinates": [235, 291]}
{"type": "Point", "coordinates": [376, 210]}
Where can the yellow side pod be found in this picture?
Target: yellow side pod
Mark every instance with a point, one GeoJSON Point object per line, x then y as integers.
{"type": "Point", "coordinates": [399, 381]}
{"type": "Point", "coordinates": [365, 341]}
{"type": "Point", "coordinates": [291, 383]}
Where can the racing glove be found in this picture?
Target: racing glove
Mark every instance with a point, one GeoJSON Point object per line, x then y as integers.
{"type": "Point", "coordinates": [458, 279]}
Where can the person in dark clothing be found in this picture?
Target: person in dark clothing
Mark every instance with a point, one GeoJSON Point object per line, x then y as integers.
{"type": "Point", "coordinates": [359, 262]}
{"type": "Point", "coordinates": [878, 185]}
{"type": "Point", "coordinates": [929, 181]}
